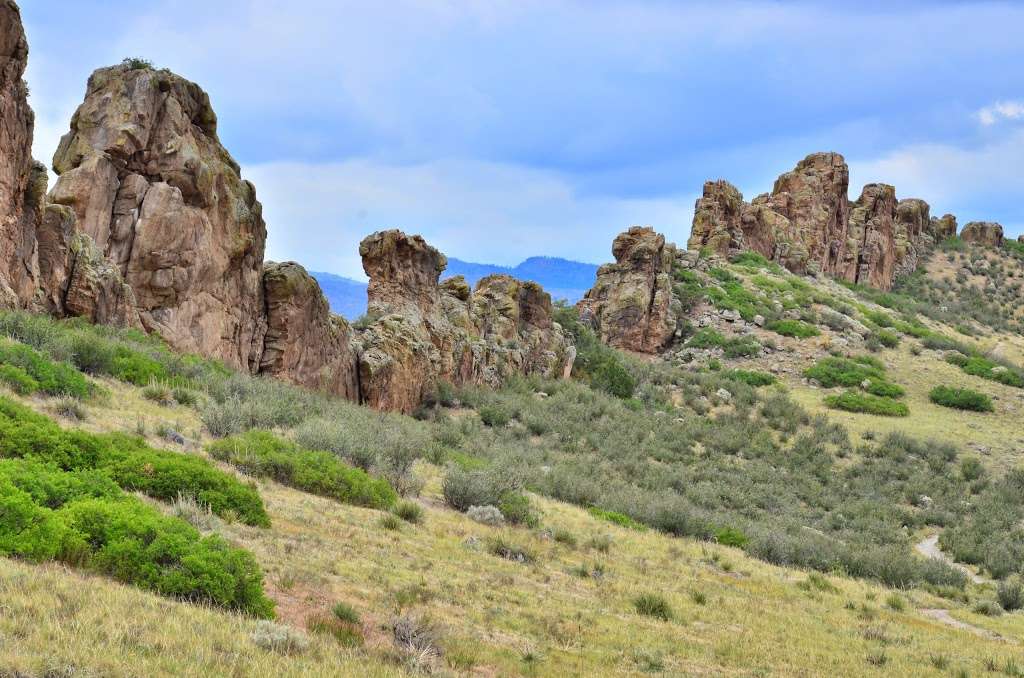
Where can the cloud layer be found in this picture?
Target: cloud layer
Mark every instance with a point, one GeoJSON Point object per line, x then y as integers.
{"type": "Point", "coordinates": [518, 127]}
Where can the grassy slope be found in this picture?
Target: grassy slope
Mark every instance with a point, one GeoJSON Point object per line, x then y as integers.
{"type": "Point", "coordinates": [495, 617]}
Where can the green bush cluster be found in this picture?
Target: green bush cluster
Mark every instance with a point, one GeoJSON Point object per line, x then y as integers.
{"type": "Point", "coordinates": [980, 366]}
{"type": "Point", "coordinates": [265, 455]}
{"type": "Point", "coordinates": [601, 366]}
{"type": "Point", "coordinates": [793, 328]}
{"type": "Point", "coordinates": [754, 261]}
{"type": "Point", "coordinates": [733, 347]}
{"type": "Point", "coordinates": [128, 461]}
{"type": "Point", "coordinates": [27, 371]}
{"type": "Point", "coordinates": [992, 535]}
{"type": "Point", "coordinates": [82, 518]}
{"type": "Point", "coordinates": [961, 399]}
{"type": "Point", "coordinates": [753, 378]}
{"type": "Point", "coordinates": [620, 519]}
{"type": "Point", "coordinates": [500, 487]}
{"type": "Point", "coordinates": [866, 403]}
{"type": "Point", "coordinates": [862, 372]}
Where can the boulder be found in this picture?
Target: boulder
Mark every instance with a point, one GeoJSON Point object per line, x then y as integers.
{"type": "Point", "coordinates": [162, 200]}
{"type": "Point", "coordinates": [985, 233]}
{"type": "Point", "coordinates": [304, 342]}
{"type": "Point", "coordinates": [631, 305]}
{"type": "Point", "coordinates": [871, 237]}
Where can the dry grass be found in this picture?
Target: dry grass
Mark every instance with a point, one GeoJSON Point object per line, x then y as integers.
{"type": "Point", "coordinates": [733, 616]}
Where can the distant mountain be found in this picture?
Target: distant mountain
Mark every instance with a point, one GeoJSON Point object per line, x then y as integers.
{"type": "Point", "coordinates": [347, 297]}
{"type": "Point", "coordinates": [562, 278]}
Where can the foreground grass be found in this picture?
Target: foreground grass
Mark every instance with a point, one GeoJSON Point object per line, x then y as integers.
{"type": "Point", "coordinates": [493, 616]}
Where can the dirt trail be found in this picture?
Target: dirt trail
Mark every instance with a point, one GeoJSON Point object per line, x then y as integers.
{"type": "Point", "coordinates": [929, 547]}
{"type": "Point", "coordinates": [946, 618]}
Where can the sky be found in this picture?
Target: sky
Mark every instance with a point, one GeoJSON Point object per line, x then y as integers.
{"type": "Point", "coordinates": [504, 129]}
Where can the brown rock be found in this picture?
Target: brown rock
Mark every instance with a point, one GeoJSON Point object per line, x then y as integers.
{"type": "Point", "coordinates": [95, 290]}
{"type": "Point", "coordinates": [305, 343]}
{"type": "Point", "coordinates": [164, 202]}
{"type": "Point", "coordinates": [423, 333]}
{"type": "Point", "coordinates": [943, 227]}
{"type": "Point", "coordinates": [22, 183]}
{"type": "Point", "coordinates": [872, 232]}
{"type": "Point", "coordinates": [631, 304]}
{"type": "Point", "coordinates": [985, 233]}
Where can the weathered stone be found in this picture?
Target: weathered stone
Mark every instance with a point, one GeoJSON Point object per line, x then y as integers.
{"type": "Point", "coordinates": [22, 182]}
{"type": "Point", "coordinates": [808, 225]}
{"type": "Point", "coordinates": [631, 304]}
{"type": "Point", "coordinates": [96, 291]}
{"type": "Point", "coordinates": [985, 233]}
{"type": "Point", "coordinates": [423, 333]}
{"type": "Point", "coordinates": [305, 343]}
{"type": "Point", "coordinates": [943, 227]}
{"type": "Point", "coordinates": [164, 202]}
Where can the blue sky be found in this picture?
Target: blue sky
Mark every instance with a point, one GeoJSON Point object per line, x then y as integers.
{"type": "Point", "coordinates": [505, 129]}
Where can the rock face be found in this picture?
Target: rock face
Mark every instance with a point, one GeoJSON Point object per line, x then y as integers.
{"type": "Point", "coordinates": [631, 304]}
{"type": "Point", "coordinates": [423, 333]}
{"type": "Point", "coordinates": [22, 182]}
{"type": "Point", "coordinates": [987, 233]}
{"type": "Point", "coordinates": [304, 342]}
{"type": "Point", "coordinates": [942, 227]}
{"type": "Point", "coordinates": [808, 225]}
{"type": "Point", "coordinates": [165, 205]}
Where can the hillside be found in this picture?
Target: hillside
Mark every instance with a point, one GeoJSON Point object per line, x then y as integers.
{"type": "Point", "coordinates": [561, 278]}
{"type": "Point", "coordinates": [557, 591]}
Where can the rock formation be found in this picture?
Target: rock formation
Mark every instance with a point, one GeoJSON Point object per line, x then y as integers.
{"type": "Point", "coordinates": [942, 227]}
{"type": "Point", "coordinates": [423, 332]}
{"type": "Point", "coordinates": [808, 225]}
{"type": "Point", "coordinates": [631, 304]}
{"type": "Point", "coordinates": [150, 225]}
{"type": "Point", "coordinates": [986, 233]}
{"type": "Point", "coordinates": [22, 182]}
{"type": "Point", "coordinates": [166, 208]}
{"type": "Point", "coordinates": [304, 342]}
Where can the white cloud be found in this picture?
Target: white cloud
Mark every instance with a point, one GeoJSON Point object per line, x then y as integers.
{"type": "Point", "coordinates": [974, 183]}
{"type": "Point", "coordinates": [495, 213]}
{"type": "Point", "coordinates": [999, 111]}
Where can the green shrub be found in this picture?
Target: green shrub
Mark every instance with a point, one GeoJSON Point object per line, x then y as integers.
{"type": "Point", "coordinates": [265, 455]}
{"type": "Point", "coordinates": [961, 399]}
{"type": "Point", "coordinates": [342, 611]}
{"type": "Point", "coordinates": [751, 377]}
{"type": "Point", "coordinates": [885, 338]}
{"type": "Point", "coordinates": [83, 519]}
{"type": "Point", "coordinates": [158, 393]}
{"type": "Point", "coordinates": [501, 547]}
{"type": "Point", "coordinates": [653, 605]}
{"type": "Point", "coordinates": [854, 372]}
{"type": "Point", "coordinates": [345, 633]}
{"type": "Point", "coordinates": [620, 519]}
{"type": "Point", "coordinates": [54, 378]}
{"type": "Point", "coordinates": [793, 328]}
{"type": "Point", "coordinates": [731, 536]}
{"type": "Point", "coordinates": [978, 366]}
{"type": "Point", "coordinates": [485, 487]}
{"type": "Point", "coordinates": [131, 463]}
{"type": "Point", "coordinates": [19, 381]}
{"type": "Point", "coordinates": [184, 396]}
{"type": "Point", "coordinates": [517, 509]}
{"type": "Point", "coordinates": [707, 337]}
{"type": "Point", "coordinates": [880, 387]}
{"type": "Point", "coordinates": [409, 511]}
{"type": "Point", "coordinates": [852, 401]}
{"type": "Point", "coordinates": [494, 416]}
{"type": "Point", "coordinates": [1010, 594]}
{"type": "Point", "coordinates": [612, 377]}
{"type": "Point", "coordinates": [137, 368]}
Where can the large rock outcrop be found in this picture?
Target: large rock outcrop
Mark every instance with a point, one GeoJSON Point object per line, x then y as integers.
{"type": "Point", "coordinates": [304, 342]}
{"type": "Point", "coordinates": [164, 204]}
{"type": "Point", "coordinates": [985, 233]}
{"type": "Point", "coordinates": [808, 225]}
{"type": "Point", "coordinates": [424, 332]}
{"type": "Point", "coordinates": [22, 182]}
{"type": "Point", "coordinates": [942, 227]}
{"type": "Point", "coordinates": [631, 304]}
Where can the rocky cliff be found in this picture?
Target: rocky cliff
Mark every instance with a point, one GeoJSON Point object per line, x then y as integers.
{"type": "Point", "coordinates": [22, 182]}
{"type": "Point", "coordinates": [631, 304]}
{"type": "Point", "coordinates": [151, 225]}
{"type": "Point", "coordinates": [167, 213]}
{"type": "Point", "coordinates": [423, 332]}
{"type": "Point", "coordinates": [986, 233]}
{"type": "Point", "coordinates": [808, 225]}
